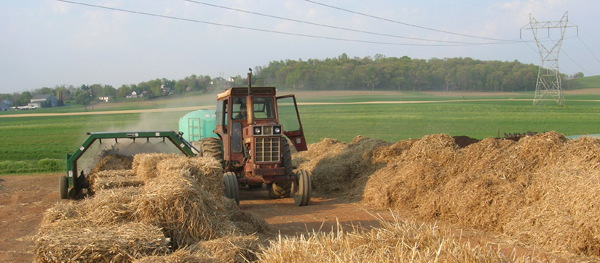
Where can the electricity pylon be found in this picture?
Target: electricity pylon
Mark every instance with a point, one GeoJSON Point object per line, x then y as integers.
{"type": "Point", "coordinates": [548, 79]}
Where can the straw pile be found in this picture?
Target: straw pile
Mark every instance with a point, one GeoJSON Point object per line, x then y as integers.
{"type": "Point", "coordinates": [113, 161]}
{"type": "Point", "coordinates": [69, 242]}
{"type": "Point", "coordinates": [340, 168]}
{"type": "Point", "coordinates": [108, 207]}
{"type": "Point", "coordinates": [398, 241]}
{"type": "Point", "coordinates": [144, 165]}
{"type": "Point", "coordinates": [114, 179]}
{"type": "Point", "coordinates": [541, 190]}
{"type": "Point", "coordinates": [226, 249]}
{"type": "Point", "coordinates": [178, 206]}
{"type": "Point", "coordinates": [111, 165]}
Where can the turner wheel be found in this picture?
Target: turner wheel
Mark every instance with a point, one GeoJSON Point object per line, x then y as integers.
{"type": "Point", "coordinates": [63, 184]}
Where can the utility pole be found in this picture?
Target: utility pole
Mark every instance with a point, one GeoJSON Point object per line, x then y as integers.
{"type": "Point", "coordinates": [548, 79]}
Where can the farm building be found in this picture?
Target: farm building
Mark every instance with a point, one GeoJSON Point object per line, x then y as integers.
{"type": "Point", "coordinates": [4, 106]}
{"type": "Point", "coordinates": [43, 100]}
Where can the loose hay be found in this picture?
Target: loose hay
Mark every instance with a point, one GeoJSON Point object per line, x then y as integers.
{"type": "Point", "coordinates": [205, 171]}
{"type": "Point", "coordinates": [183, 200]}
{"type": "Point", "coordinates": [110, 166]}
{"type": "Point", "coordinates": [103, 183]}
{"type": "Point", "coordinates": [240, 249]}
{"type": "Point", "coordinates": [541, 189]}
{"type": "Point", "coordinates": [107, 207]}
{"type": "Point", "coordinates": [399, 241]}
{"type": "Point", "coordinates": [144, 165]}
{"type": "Point", "coordinates": [66, 242]}
{"type": "Point", "coordinates": [341, 168]}
{"type": "Point", "coordinates": [186, 204]}
{"type": "Point", "coordinates": [113, 162]}
{"type": "Point", "coordinates": [246, 221]}
{"type": "Point", "coordinates": [114, 173]}
{"type": "Point", "coordinates": [185, 213]}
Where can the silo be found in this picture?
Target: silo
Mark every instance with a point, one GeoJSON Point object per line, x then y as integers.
{"type": "Point", "coordinates": [197, 125]}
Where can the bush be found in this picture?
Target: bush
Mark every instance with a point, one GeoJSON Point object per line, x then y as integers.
{"type": "Point", "coordinates": [50, 165]}
{"type": "Point", "coordinates": [41, 166]}
{"type": "Point", "coordinates": [8, 167]}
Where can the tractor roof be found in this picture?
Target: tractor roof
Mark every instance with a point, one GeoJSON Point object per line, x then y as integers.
{"type": "Point", "coordinates": [243, 91]}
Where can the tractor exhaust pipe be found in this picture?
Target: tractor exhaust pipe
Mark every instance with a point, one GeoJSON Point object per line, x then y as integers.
{"type": "Point", "coordinates": [250, 82]}
{"type": "Point", "coordinates": [250, 107]}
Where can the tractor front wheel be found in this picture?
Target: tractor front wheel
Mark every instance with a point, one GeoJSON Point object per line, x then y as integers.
{"type": "Point", "coordinates": [279, 190]}
{"type": "Point", "coordinates": [283, 189]}
{"type": "Point", "coordinates": [232, 189]}
{"type": "Point", "coordinates": [63, 184]}
{"type": "Point", "coordinates": [302, 188]}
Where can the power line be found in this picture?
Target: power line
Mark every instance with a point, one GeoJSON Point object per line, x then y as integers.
{"type": "Point", "coordinates": [330, 26]}
{"type": "Point", "coordinates": [588, 49]}
{"type": "Point", "coordinates": [406, 24]}
{"type": "Point", "coordinates": [482, 6]}
{"type": "Point", "coordinates": [572, 60]}
{"type": "Point", "coordinates": [265, 30]}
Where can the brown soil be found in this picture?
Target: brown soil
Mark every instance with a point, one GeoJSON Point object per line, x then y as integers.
{"type": "Point", "coordinates": [582, 91]}
{"type": "Point", "coordinates": [24, 198]}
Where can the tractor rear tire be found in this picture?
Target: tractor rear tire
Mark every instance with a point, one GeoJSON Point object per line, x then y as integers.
{"type": "Point", "coordinates": [232, 188]}
{"type": "Point", "coordinates": [211, 147]}
{"type": "Point", "coordinates": [302, 189]}
{"type": "Point", "coordinates": [63, 184]}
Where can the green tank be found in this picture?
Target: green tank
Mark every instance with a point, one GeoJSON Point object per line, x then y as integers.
{"type": "Point", "coordinates": [197, 125]}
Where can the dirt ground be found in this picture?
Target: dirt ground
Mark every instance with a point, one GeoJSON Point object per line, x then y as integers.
{"type": "Point", "coordinates": [24, 198]}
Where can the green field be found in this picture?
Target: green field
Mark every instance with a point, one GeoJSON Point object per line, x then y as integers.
{"type": "Point", "coordinates": [30, 139]}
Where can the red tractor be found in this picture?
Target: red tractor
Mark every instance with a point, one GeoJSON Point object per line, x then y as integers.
{"type": "Point", "coordinates": [251, 123]}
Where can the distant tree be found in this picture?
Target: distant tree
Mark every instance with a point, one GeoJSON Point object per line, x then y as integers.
{"type": "Point", "coordinates": [108, 90]}
{"type": "Point", "coordinates": [45, 91]}
{"type": "Point", "coordinates": [155, 88]}
{"type": "Point", "coordinates": [179, 87]}
{"type": "Point", "coordinates": [122, 92]}
{"type": "Point", "coordinates": [83, 97]}
{"type": "Point", "coordinates": [4, 97]}
{"type": "Point", "coordinates": [168, 83]}
{"type": "Point", "coordinates": [24, 98]}
{"type": "Point", "coordinates": [577, 75]}
{"type": "Point", "coordinates": [95, 91]}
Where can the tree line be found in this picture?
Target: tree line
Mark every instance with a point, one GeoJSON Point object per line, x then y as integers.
{"type": "Point", "coordinates": [404, 73]}
{"type": "Point", "coordinates": [340, 73]}
{"type": "Point", "coordinates": [85, 94]}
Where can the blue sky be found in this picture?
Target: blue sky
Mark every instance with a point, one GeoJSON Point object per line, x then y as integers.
{"type": "Point", "coordinates": [45, 43]}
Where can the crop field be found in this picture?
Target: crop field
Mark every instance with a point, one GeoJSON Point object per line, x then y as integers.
{"type": "Point", "coordinates": [390, 116]}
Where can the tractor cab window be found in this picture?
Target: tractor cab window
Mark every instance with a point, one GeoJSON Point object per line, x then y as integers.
{"type": "Point", "coordinates": [221, 113]}
{"type": "Point", "coordinates": [263, 108]}
{"type": "Point", "coordinates": [239, 109]}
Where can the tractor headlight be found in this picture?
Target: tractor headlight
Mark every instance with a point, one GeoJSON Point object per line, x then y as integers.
{"type": "Point", "coordinates": [276, 130]}
{"type": "Point", "coordinates": [257, 131]}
